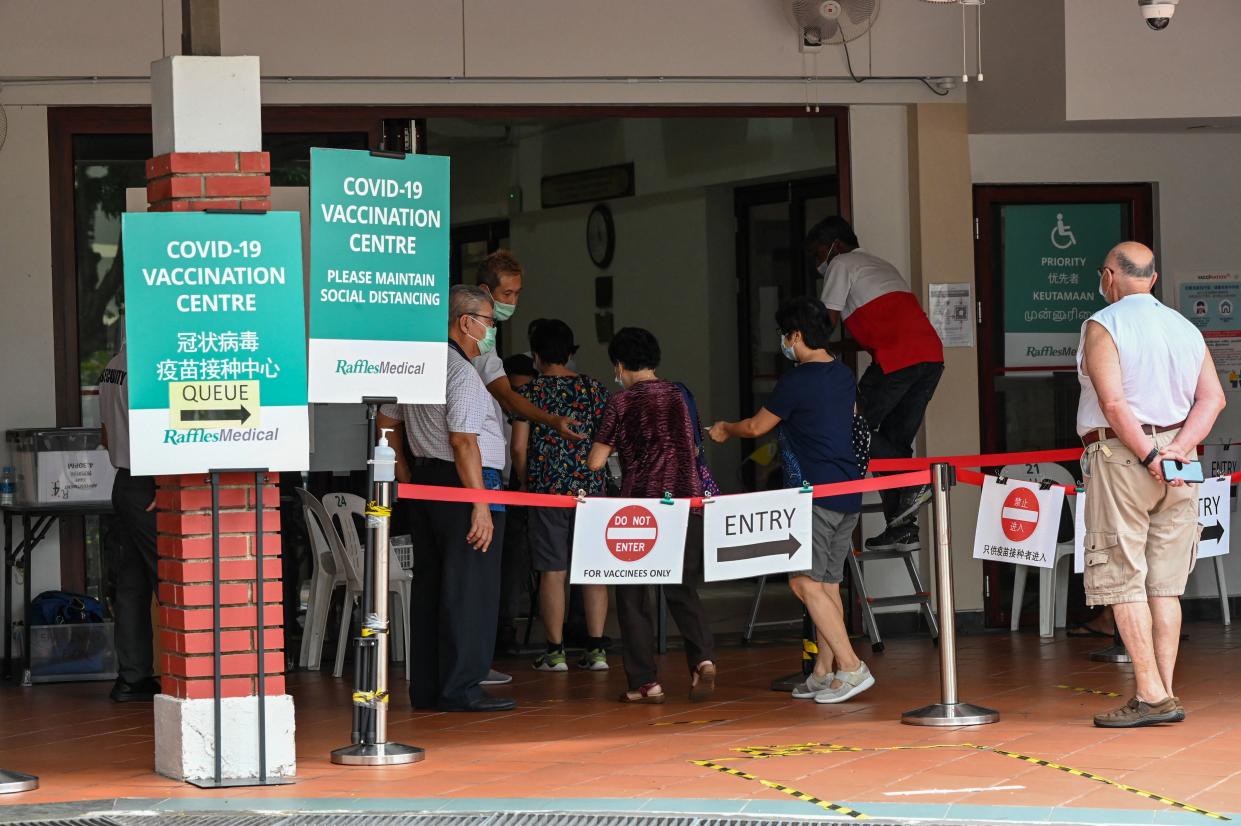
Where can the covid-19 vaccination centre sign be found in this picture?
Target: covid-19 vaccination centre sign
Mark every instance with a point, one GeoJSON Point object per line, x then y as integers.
{"type": "Point", "coordinates": [216, 338]}
{"type": "Point", "coordinates": [379, 233]}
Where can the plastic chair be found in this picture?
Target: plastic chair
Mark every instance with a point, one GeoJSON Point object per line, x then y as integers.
{"type": "Point", "coordinates": [343, 508]}
{"type": "Point", "coordinates": [326, 577]}
{"type": "Point", "coordinates": [1053, 582]}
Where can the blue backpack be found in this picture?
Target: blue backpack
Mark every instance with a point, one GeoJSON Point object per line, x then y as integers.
{"type": "Point", "coordinates": [64, 608]}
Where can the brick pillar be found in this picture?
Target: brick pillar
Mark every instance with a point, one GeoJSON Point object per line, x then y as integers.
{"type": "Point", "coordinates": [222, 169]}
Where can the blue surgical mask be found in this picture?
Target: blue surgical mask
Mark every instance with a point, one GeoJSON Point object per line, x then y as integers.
{"type": "Point", "coordinates": [787, 350]}
{"type": "Point", "coordinates": [504, 311]}
{"type": "Point", "coordinates": [617, 379]}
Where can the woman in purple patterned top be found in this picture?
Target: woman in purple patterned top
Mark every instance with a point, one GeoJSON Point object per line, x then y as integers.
{"type": "Point", "coordinates": [649, 425]}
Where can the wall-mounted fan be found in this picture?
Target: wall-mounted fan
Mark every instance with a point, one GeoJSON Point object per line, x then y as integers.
{"type": "Point", "coordinates": [832, 22]}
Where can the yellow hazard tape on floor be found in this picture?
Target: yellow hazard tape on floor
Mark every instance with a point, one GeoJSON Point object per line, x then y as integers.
{"type": "Point", "coordinates": [1078, 690]}
{"type": "Point", "coordinates": [783, 789]}
{"type": "Point", "coordinates": [689, 723]}
{"type": "Point", "coordinates": [801, 749]}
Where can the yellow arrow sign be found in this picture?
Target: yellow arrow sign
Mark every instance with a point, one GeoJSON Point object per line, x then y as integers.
{"type": "Point", "coordinates": [195, 404]}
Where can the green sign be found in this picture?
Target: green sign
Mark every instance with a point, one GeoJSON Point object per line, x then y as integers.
{"type": "Point", "coordinates": [1051, 256]}
{"type": "Point", "coordinates": [379, 244]}
{"type": "Point", "coordinates": [215, 334]}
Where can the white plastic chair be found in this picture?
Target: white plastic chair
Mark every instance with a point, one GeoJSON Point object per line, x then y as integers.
{"type": "Point", "coordinates": [342, 508]}
{"type": "Point", "coordinates": [326, 577]}
{"type": "Point", "coordinates": [1053, 582]}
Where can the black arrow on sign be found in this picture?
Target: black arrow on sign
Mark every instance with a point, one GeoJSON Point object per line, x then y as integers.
{"type": "Point", "coordinates": [1213, 533]}
{"type": "Point", "coordinates": [240, 414]}
{"type": "Point", "coordinates": [757, 550]}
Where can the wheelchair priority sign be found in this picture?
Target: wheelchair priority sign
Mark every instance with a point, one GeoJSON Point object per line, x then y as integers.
{"type": "Point", "coordinates": [1019, 517]}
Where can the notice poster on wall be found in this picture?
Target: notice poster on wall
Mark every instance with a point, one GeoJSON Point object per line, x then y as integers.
{"type": "Point", "coordinates": [1050, 285]}
{"type": "Point", "coordinates": [216, 338]}
{"type": "Point", "coordinates": [952, 314]}
{"type": "Point", "coordinates": [629, 542]}
{"type": "Point", "coordinates": [1212, 303]}
{"type": "Point", "coordinates": [757, 534]}
{"type": "Point", "coordinates": [1018, 522]}
{"type": "Point", "coordinates": [379, 244]}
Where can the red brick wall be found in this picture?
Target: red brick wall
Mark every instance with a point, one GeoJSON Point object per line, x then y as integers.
{"type": "Point", "coordinates": [186, 181]}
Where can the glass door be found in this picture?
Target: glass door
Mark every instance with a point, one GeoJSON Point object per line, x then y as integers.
{"type": "Point", "coordinates": [1037, 250]}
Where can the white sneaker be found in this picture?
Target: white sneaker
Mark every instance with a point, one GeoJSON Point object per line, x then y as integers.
{"type": "Point", "coordinates": [852, 683]}
{"type": "Point", "coordinates": [809, 687]}
{"type": "Point", "coordinates": [497, 678]}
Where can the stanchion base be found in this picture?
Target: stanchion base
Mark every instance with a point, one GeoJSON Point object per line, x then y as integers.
{"type": "Point", "coordinates": [950, 714]}
{"type": "Point", "coordinates": [14, 782]}
{"type": "Point", "coordinates": [239, 782]}
{"type": "Point", "coordinates": [787, 684]}
{"type": "Point", "coordinates": [1111, 654]}
{"type": "Point", "coordinates": [378, 754]}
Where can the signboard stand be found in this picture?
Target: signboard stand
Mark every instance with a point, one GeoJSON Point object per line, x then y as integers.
{"type": "Point", "coordinates": [12, 782]}
{"type": "Point", "coordinates": [370, 746]}
{"type": "Point", "coordinates": [949, 711]}
{"type": "Point", "coordinates": [218, 781]}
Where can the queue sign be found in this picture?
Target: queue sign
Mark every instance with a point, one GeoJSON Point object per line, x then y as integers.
{"type": "Point", "coordinates": [216, 342]}
{"type": "Point", "coordinates": [379, 243]}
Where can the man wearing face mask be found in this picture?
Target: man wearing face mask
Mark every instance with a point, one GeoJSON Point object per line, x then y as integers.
{"type": "Point", "coordinates": [1150, 392]}
{"type": "Point", "coordinates": [812, 405]}
{"type": "Point", "coordinates": [881, 313]}
{"type": "Point", "coordinates": [457, 554]}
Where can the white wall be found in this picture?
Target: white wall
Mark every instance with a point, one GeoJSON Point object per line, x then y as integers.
{"type": "Point", "coordinates": [27, 374]}
{"type": "Point", "coordinates": [1197, 180]}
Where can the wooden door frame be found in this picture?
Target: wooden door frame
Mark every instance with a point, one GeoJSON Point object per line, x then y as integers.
{"type": "Point", "coordinates": [988, 200]}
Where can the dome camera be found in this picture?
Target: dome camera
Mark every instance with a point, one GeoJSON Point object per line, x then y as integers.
{"type": "Point", "coordinates": [1157, 13]}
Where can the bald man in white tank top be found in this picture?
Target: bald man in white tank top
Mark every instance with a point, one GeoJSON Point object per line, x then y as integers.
{"type": "Point", "coordinates": [1149, 392]}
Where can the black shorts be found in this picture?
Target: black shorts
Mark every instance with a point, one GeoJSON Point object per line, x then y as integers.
{"type": "Point", "coordinates": [551, 538]}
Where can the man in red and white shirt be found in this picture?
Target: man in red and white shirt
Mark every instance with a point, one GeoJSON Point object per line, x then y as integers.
{"type": "Point", "coordinates": [884, 317]}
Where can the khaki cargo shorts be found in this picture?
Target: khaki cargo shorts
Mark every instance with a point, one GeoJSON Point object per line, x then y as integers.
{"type": "Point", "coordinates": [1141, 535]}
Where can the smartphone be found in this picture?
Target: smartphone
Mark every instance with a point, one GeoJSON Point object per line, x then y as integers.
{"type": "Point", "coordinates": [1185, 471]}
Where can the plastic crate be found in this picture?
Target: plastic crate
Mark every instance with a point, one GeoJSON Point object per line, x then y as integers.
{"type": "Point", "coordinates": [403, 549]}
{"type": "Point", "coordinates": [60, 464]}
{"type": "Point", "coordinates": [76, 652]}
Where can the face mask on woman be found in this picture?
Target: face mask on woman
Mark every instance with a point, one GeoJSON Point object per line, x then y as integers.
{"type": "Point", "coordinates": [788, 351]}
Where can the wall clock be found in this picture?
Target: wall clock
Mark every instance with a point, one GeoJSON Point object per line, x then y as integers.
{"type": "Point", "coordinates": [600, 236]}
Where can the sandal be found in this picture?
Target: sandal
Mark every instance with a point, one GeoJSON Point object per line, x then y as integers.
{"type": "Point", "coordinates": [703, 685]}
{"type": "Point", "coordinates": [649, 694]}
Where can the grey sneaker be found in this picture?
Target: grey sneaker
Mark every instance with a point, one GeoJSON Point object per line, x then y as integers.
{"type": "Point", "coordinates": [852, 683]}
{"type": "Point", "coordinates": [497, 678]}
{"type": "Point", "coordinates": [811, 686]}
{"type": "Point", "coordinates": [911, 502]}
{"type": "Point", "coordinates": [551, 661]}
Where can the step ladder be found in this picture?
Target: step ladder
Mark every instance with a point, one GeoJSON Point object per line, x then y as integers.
{"type": "Point", "coordinates": [920, 596]}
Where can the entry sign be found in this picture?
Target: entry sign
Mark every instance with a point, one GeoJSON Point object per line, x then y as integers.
{"type": "Point", "coordinates": [757, 534]}
{"type": "Point", "coordinates": [1214, 521]}
{"type": "Point", "coordinates": [629, 542]}
{"type": "Point", "coordinates": [379, 243]}
{"type": "Point", "coordinates": [1018, 522]}
{"type": "Point", "coordinates": [216, 342]}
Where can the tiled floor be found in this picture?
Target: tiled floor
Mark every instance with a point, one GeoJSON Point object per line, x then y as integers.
{"type": "Point", "coordinates": [570, 741]}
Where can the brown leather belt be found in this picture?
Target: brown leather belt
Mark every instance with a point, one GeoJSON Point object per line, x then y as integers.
{"type": "Point", "coordinates": [1093, 436]}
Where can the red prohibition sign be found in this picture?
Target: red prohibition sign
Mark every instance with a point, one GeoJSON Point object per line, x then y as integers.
{"type": "Point", "coordinates": [1019, 516]}
{"type": "Point", "coordinates": [631, 533]}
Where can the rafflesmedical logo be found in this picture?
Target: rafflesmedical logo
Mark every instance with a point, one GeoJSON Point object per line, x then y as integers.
{"type": "Point", "coordinates": [1045, 351]}
{"type": "Point", "coordinates": [367, 367]}
{"type": "Point", "coordinates": [200, 436]}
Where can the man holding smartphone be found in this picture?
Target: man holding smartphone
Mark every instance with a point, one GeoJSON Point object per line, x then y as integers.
{"type": "Point", "coordinates": [1150, 394]}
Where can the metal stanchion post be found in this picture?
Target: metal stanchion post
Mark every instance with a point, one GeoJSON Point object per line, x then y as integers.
{"type": "Point", "coordinates": [949, 711]}
{"type": "Point", "coordinates": [372, 747]}
{"type": "Point", "coordinates": [12, 782]}
{"type": "Point", "coordinates": [1114, 653]}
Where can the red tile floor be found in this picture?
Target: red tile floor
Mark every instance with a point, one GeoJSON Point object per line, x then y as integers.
{"type": "Point", "coordinates": [569, 739]}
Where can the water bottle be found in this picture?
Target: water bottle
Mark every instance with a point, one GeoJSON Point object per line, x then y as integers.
{"type": "Point", "coordinates": [8, 486]}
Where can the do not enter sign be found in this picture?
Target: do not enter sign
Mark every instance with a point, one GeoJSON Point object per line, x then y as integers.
{"type": "Point", "coordinates": [1019, 517]}
{"type": "Point", "coordinates": [631, 533]}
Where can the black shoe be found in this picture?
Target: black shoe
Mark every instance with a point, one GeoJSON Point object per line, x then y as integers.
{"type": "Point", "coordinates": [912, 500]}
{"type": "Point", "coordinates": [143, 691]}
{"type": "Point", "coordinates": [904, 539]}
{"type": "Point", "coordinates": [485, 703]}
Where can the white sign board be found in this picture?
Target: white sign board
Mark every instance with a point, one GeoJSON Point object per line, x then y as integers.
{"type": "Point", "coordinates": [952, 314]}
{"type": "Point", "coordinates": [1221, 460]}
{"type": "Point", "coordinates": [756, 534]}
{"type": "Point", "coordinates": [629, 542]}
{"type": "Point", "coordinates": [75, 476]}
{"type": "Point", "coordinates": [1079, 534]}
{"type": "Point", "coordinates": [1214, 517]}
{"type": "Point", "coordinates": [1018, 522]}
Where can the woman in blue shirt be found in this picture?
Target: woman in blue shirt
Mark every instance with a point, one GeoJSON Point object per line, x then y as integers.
{"type": "Point", "coordinates": [813, 406]}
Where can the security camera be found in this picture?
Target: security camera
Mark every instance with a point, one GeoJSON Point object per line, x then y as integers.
{"type": "Point", "coordinates": [1157, 13]}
